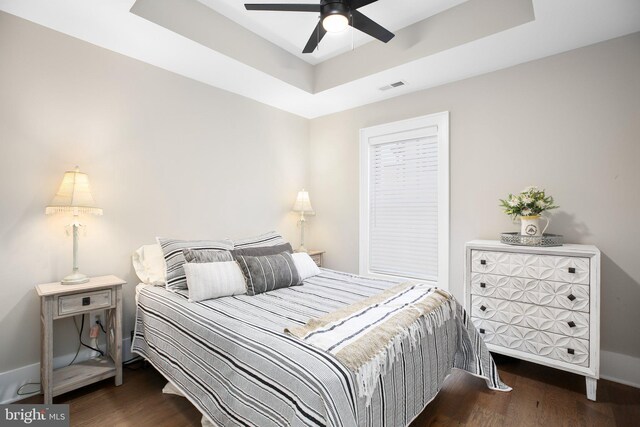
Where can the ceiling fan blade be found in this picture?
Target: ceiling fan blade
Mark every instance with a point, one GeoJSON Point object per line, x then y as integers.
{"type": "Point", "coordinates": [357, 4]}
{"type": "Point", "coordinates": [367, 26]}
{"type": "Point", "coordinates": [284, 7]}
{"type": "Point", "coordinates": [316, 36]}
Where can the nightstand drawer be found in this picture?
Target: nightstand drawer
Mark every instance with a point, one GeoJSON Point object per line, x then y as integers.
{"type": "Point", "coordinates": [82, 302]}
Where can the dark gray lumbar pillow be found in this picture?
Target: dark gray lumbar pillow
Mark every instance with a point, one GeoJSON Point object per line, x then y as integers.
{"type": "Point", "coordinates": [263, 250]}
{"type": "Point", "coordinates": [268, 272]}
{"type": "Point", "coordinates": [174, 258]}
{"type": "Point", "coordinates": [206, 255]}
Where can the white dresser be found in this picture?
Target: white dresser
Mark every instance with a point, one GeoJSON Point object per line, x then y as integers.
{"type": "Point", "coordinates": [538, 304]}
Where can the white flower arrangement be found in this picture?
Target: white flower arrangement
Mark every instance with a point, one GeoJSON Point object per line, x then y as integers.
{"type": "Point", "coordinates": [530, 202]}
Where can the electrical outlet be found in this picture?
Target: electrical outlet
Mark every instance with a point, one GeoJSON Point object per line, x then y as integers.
{"type": "Point", "coordinates": [94, 317]}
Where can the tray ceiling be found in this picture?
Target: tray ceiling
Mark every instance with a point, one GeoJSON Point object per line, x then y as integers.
{"type": "Point", "coordinates": [291, 30]}
{"type": "Point", "coordinates": [558, 26]}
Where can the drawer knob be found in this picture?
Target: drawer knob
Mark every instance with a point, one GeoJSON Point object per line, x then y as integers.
{"type": "Point", "coordinates": [571, 351]}
{"type": "Point", "coordinates": [481, 331]}
{"type": "Point", "coordinates": [483, 308]}
{"type": "Point", "coordinates": [483, 262]}
{"type": "Point", "coordinates": [86, 301]}
{"type": "Point", "coordinates": [572, 270]}
{"type": "Point", "coordinates": [571, 297]}
{"type": "Point", "coordinates": [572, 324]}
{"type": "Point", "coordinates": [483, 285]}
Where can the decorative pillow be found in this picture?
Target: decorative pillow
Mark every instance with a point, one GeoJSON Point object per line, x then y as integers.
{"type": "Point", "coordinates": [206, 255]}
{"type": "Point", "coordinates": [305, 265]}
{"type": "Point", "coordinates": [262, 250]}
{"type": "Point", "coordinates": [271, 238]}
{"type": "Point", "coordinates": [148, 262]}
{"type": "Point", "coordinates": [210, 280]}
{"type": "Point", "coordinates": [174, 258]}
{"type": "Point", "coordinates": [268, 272]}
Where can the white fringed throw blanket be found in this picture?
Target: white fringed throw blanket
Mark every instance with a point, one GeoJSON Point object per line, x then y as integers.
{"type": "Point", "coordinates": [367, 336]}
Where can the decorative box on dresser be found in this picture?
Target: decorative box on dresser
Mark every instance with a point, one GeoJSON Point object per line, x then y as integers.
{"type": "Point", "coordinates": [540, 304]}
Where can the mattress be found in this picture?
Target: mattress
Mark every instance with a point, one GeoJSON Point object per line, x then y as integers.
{"type": "Point", "coordinates": [232, 359]}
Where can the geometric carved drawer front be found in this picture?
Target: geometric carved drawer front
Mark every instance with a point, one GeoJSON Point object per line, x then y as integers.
{"type": "Point", "coordinates": [76, 303]}
{"type": "Point", "coordinates": [553, 346]}
{"type": "Point", "coordinates": [553, 294]}
{"type": "Point", "coordinates": [543, 267]}
{"type": "Point", "coordinates": [539, 304]}
{"type": "Point", "coordinates": [562, 322]}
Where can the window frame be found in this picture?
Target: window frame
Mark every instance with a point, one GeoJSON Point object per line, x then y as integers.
{"type": "Point", "coordinates": [441, 120]}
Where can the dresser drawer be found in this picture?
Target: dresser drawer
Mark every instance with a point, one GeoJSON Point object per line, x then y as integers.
{"type": "Point", "coordinates": [531, 266]}
{"type": "Point", "coordinates": [562, 322]}
{"type": "Point", "coordinates": [82, 302]}
{"type": "Point", "coordinates": [539, 343]}
{"type": "Point", "coordinates": [541, 292]}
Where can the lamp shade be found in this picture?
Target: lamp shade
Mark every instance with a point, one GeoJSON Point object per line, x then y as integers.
{"type": "Point", "coordinates": [303, 203]}
{"type": "Point", "coordinates": [74, 195]}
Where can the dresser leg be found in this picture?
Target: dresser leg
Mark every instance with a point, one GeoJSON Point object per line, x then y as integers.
{"type": "Point", "coordinates": [592, 384]}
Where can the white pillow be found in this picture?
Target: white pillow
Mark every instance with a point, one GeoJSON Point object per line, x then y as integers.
{"type": "Point", "coordinates": [148, 262]}
{"type": "Point", "coordinates": [305, 265]}
{"type": "Point", "coordinates": [210, 280]}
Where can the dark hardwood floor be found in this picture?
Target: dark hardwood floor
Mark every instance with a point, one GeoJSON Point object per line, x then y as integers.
{"type": "Point", "coordinates": [541, 397]}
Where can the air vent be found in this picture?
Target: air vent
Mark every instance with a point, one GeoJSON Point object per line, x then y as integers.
{"type": "Point", "coordinates": [394, 85]}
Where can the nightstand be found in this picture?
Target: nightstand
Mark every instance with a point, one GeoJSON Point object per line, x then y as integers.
{"type": "Point", "coordinates": [317, 256]}
{"type": "Point", "coordinates": [58, 301]}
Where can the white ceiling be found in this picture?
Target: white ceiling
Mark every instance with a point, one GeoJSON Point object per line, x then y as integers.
{"type": "Point", "coordinates": [560, 25]}
{"type": "Point", "coordinates": [291, 30]}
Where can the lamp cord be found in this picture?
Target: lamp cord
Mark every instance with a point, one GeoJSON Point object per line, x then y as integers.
{"type": "Point", "coordinates": [80, 329]}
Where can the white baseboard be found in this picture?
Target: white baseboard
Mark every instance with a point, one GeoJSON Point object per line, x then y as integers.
{"type": "Point", "coordinates": [620, 368]}
{"type": "Point", "coordinates": [615, 367]}
{"type": "Point", "coordinates": [11, 381]}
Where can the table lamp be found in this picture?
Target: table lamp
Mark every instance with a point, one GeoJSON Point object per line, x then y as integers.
{"type": "Point", "coordinates": [303, 206]}
{"type": "Point", "coordinates": [74, 196]}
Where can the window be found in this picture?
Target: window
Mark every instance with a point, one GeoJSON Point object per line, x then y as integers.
{"type": "Point", "coordinates": [404, 199]}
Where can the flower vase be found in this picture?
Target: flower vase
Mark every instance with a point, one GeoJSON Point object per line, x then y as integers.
{"type": "Point", "coordinates": [530, 225]}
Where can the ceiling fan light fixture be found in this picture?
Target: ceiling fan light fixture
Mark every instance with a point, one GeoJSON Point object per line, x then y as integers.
{"type": "Point", "coordinates": [335, 23]}
{"type": "Point", "coordinates": [335, 16]}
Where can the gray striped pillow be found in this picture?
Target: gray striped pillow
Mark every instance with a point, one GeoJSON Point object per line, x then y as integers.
{"type": "Point", "coordinates": [206, 255]}
{"type": "Point", "coordinates": [174, 257]}
{"type": "Point", "coordinates": [268, 272]}
{"type": "Point", "coordinates": [272, 238]}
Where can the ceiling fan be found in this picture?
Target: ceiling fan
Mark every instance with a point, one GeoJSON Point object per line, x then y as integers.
{"type": "Point", "coordinates": [335, 16]}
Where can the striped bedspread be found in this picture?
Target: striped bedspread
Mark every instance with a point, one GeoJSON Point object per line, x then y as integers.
{"type": "Point", "coordinates": [232, 359]}
{"type": "Point", "coordinates": [369, 335]}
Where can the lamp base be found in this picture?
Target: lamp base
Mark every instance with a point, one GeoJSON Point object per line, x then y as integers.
{"type": "Point", "coordinates": [75, 279]}
{"type": "Point", "coordinates": [302, 249]}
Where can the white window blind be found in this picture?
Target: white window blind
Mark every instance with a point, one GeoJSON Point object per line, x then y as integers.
{"type": "Point", "coordinates": [403, 200]}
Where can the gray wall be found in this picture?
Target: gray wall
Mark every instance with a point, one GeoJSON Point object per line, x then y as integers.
{"type": "Point", "coordinates": [170, 156]}
{"type": "Point", "coordinates": [166, 156]}
{"type": "Point", "coordinates": [569, 123]}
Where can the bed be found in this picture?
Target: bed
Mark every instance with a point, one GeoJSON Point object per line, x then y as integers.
{"type": "Point", "coordinates": [231, 358]}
